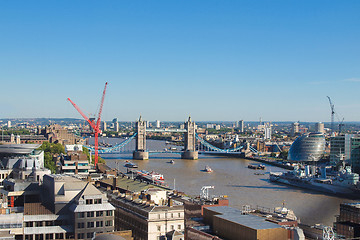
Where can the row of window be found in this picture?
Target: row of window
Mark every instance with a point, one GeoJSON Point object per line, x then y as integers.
{"type": "Point", "coordinates": [93, 201]}
{"type": "Point", "coordinates": [171, 215]}
{"type": "Point", "coordinates": [172, 227]}
{"type": "Point", "coordinates": [45, 223]}
{"type": "Point", "coordinates": [93, 224]}
{"type": "Point", "coordinates": [97, 213]}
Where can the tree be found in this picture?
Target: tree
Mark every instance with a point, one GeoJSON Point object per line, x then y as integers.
{"type": "Point", "coordinates": [50, 150]}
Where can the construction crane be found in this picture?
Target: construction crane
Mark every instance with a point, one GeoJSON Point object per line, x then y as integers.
{"type": "Point", "coordinates": [332, 115]}
{"type": "Point", "coordinates": [94, 125]}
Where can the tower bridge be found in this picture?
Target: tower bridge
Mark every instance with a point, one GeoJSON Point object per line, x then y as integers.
{"type": "Point", "coordinates": [193, 143]}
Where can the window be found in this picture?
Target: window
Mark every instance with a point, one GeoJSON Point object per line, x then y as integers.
{"type": "Point", "coordinates": [29, 224]}
{"type": "Point", "coordinates": [179, 226]}
{"type": "Point", "coordinates": [179, 214]}
{"type": "Point", "coordinates": [109, 213]}
{"type": "Point", "coordinates": [90, 235]}
{"type": "Point", "coordinates": [159, 228]}
{"type": "Point", "coordinates": [97, 201]}
{"type": "Point", "coordinates": [172, 227]}
{"type": "Point", "coordinates": [99, 213]}
{"type": "Point", "coordinates": [172, 215]}
{"type": "Point", "coordinates": [108, 223]}
{"type": "Point", "coordinates": [81, 225]}
{"type": "Point", "coordinates": [89, 201]}
{"type": "Point", "coordinates": [90, 224]}
{"type": "Point", "coordinates": [58, 236]}
{"type": "Point", "coordinates": [49, 223]}
{"type": "Point", "coordinates": [49, 236]}
{"type": "Point", "coordinates": [81, 215]}
{"type": "Point", "coordinates": [90, 214]}
{"type": "Point", "coordinates": [38, 224]}
{"type": "Point", "coordinates": [81, 235]}
{"type": "Point", "coordinates": [158, 216]}
{"type": "Point", "coordinates": [99, 223]}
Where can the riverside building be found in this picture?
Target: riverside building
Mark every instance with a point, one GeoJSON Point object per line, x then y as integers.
{"type": "Point", "coordinates": [307, 147]}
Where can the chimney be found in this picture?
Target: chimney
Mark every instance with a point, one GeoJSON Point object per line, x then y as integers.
{"type": "Point", "coordinates": [114, 182]}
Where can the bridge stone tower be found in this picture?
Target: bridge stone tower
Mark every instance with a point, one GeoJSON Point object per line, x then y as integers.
{"type": "Point", "coordinates": [140, 152]}
{"type": "Point", "coordinates": [190, 149]}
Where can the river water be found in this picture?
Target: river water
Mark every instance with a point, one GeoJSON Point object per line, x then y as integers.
{"type": "Point", "coordinates": [233, 178]}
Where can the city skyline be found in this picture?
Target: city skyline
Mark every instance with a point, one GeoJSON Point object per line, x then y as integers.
{"type": "Point", "coordinates": [168, 60]}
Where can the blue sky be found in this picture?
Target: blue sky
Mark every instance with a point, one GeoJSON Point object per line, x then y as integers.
{"type": "Point", "coordinates": [215, 60]}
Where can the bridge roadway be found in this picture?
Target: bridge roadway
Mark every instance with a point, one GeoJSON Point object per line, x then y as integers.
{"type": "Point", "coordinates": [166, 130]}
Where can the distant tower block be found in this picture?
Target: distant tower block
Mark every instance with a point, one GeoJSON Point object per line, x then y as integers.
{"type": "Point", "coordinates": [190, 149]}
{"type": "Point", "coordinates": [140, 152]}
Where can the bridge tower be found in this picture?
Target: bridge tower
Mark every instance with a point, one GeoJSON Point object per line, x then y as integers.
{"type": "Point", "coordinates": [140, 152]}
{"type": "Point", "coordinates": [190, 148]}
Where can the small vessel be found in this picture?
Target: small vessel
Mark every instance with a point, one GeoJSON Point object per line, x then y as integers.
{"type": "Point", "coordinates": [208, 169]}
{"type": "Point", "coordinates": [172, 161]}
{"type": "Point", "coordinates": [129, 164]}
{"type": "Point", "coordinates": [257, 166]}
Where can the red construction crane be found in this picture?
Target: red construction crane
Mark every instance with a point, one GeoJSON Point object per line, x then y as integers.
{"type": "Point", "coordinates": [95, 126]}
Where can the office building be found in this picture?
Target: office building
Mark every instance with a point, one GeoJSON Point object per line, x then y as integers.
{"type": "Point", "coordinates": [104, 126]}
{"type": "Point", "coordinates": [232, 224]}
{"type": "Point", "coordinates": [81, 204]}
{"type": "Point", "coordinates": [143, 208]}
{"type": "Point", "coordinates": [241, 126]}
{"type": "Point", "coordinates": [319, 127]}
{"type": "Point", "coordinates": [307, 147]}
{"type": "Point", "coordinates": [347, 223]}
{"type": "Point", "coordinates": [9, 124]}
{"type": "Point", "coordinates": [346, 147]}
{"type": "Point", "coordinates": [295, 128]}
{"type": "Point", "coordinates": [157, 124]}
{"type": "Point", "coordinates": [267, 131]}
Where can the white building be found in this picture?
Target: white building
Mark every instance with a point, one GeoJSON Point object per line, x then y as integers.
{"type": "Point", "coordinates": [319, 127]}
{"type": "Point", "coordinates": [157, 124]}
{"type": "Point", "coordinates": [267, 131]}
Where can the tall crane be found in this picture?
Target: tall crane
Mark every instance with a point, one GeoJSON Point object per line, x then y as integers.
{"type": "Point", "coordinates": [95, 125]}
{"type": "Point", "coordinates": [332, 115]}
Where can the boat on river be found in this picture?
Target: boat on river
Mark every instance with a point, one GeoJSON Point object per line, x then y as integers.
{"type": "Point", "coordinates": [129, 164]}
{"type": "Point", "coordinates": [208, 169]}
{"type": "Point", "coordinates": [257, 166]}
{"type": "Point", "coordinates": [342, 183]}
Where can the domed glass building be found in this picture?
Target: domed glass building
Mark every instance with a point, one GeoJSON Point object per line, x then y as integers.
{"type": "Point", "coordinates": [307, 147]}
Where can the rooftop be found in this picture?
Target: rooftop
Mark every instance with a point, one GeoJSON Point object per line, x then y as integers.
{"type": "Point", "coordinates": [36, 209]}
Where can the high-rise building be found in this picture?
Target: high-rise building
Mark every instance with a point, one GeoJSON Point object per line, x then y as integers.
{"type": "Point", "coordinates": [340, 146]}
{"type": "Point", "coordinates": [295, 128]}
{"type": "Point", "coordinates": [116, 124]}
{"type": "Point", "coordinates": [104, 126]}
{"type": "Point", "coordinates": [157, 124]}
{"type": "Point", "coordinates": [241, 125]}
{"type": "Point", "coordinates": [267, 133]}
{"type": "Point", "coordinates": [9, 124]}
{"type": "Point", "coordinates": [319, 127]}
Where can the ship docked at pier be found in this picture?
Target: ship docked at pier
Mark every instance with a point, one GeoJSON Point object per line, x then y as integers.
{"type": "Point", "coordinates": [342, 183]}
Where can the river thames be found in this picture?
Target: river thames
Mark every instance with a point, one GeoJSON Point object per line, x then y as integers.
{"type": "Point", "coordinates": [233, 178]}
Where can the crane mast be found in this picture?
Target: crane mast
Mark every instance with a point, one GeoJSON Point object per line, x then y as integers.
{"type": "Point", "coordinates": [94, 125]}
{"type": "Point", "coordinates": [332, 115]}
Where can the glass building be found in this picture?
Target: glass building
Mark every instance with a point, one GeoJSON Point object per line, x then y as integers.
{"type": "Point", "coordinates": [307, 147]}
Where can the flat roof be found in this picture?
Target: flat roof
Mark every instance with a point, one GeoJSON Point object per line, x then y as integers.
{"type": "Point", "coordinates": [235, 215]}
{"type": "Point", "coordinates": [250, 221]}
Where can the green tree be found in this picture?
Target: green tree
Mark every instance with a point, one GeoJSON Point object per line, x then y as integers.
{"type": "Point", "coordinates": [50, 150]}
